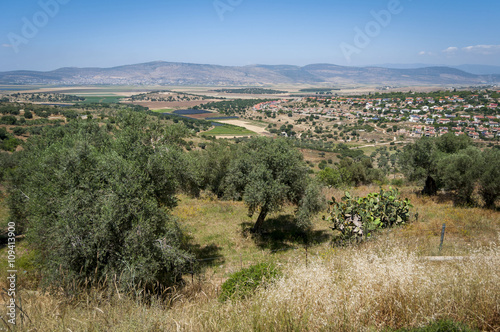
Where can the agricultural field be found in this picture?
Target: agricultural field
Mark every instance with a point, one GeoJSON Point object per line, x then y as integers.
{"type": "Point", "coordinates": [166, 110]}
{"type": "Point", "coordinates": [228, 130]}
{"type": "Point", "coordinates": [102, 100]}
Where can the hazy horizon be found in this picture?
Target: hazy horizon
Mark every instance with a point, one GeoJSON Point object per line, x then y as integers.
{"type": "Point", "coordinates": [45, 35]}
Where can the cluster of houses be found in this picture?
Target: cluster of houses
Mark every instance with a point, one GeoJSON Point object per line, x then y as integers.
{"type": "Point", "coordinates": [427, 116]}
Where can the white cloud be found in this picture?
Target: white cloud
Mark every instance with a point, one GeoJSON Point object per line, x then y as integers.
{"type": "Point", "coordinates": [425, 53]}
{"type": "Point", "coordinates": [6, 45]}
{"type": "Point", "coordinates": [451, 50]}
{"type": "Point", "coordinates": [483, 49]}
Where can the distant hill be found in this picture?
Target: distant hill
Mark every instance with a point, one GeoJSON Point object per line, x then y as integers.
{"type": "Point", "coordinates": [473, 69]}
{"type": "Point", "coordinates": [173, 73]}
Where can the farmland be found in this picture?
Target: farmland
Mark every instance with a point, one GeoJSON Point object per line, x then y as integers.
{"type": "Point", "coordinates": [102, 99]}
{"type": "Point", "coordinates": [229, 130]}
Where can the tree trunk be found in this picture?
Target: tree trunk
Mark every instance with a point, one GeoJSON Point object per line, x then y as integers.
{"type": "Point", "coordinates": [260, 221]}
{"type": "Point", "coordinates": [430, 187]}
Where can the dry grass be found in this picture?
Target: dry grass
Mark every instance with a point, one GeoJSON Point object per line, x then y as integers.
{"type": "Point", "coordinates": [373, 287]}
{"type": "Point", "coordinates": [383, 283]}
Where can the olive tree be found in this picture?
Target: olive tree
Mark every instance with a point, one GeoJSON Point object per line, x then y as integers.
{"type": "Point", "coordinates": [266, 174]}
{"type": "Point", "coordinates": [419, 161]}
{"type": "Point", "coordinates": [489, 179]}
{"type": "Point", "coordinates": [460, 171]}
{"type": "Point", "coordinates": [93, 204]}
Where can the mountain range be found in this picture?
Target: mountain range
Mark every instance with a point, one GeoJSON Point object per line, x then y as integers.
{"type": "Point", "coordinates": [174, 73]}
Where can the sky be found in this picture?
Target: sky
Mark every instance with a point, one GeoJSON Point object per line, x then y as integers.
{"type": "Point", "coordinates": [49, 34]}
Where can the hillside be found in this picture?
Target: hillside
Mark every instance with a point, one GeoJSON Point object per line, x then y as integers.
{"type": "Point", "coordinates": [321, 291]}
{"type": "Point", "coordinates": [170, 73]}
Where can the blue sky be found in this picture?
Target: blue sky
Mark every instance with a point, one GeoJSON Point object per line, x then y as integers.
{"type": "Point", "coordinates": [49, 34]}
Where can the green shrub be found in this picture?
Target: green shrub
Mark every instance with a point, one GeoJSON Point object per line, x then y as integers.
{"type": "Point", "coordinates": [355, 217]}
{"type": "Point", "coordinates": [101, 213]}
{"type": "Point", "coordinates": [243, 283]}
{"type": "Point", "coordinates": [397, 182]}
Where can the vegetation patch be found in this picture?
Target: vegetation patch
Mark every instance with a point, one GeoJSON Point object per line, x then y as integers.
{"type": "Point", "coordinates": [355, 217]}
{"type": "Point", "coordinates": [242, 284]}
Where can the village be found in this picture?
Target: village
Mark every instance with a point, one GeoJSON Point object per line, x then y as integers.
{"type": "Point", "coordinates": [477, 115]}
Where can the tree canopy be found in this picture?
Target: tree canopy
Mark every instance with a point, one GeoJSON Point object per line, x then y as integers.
{"type": "Point", "coordinates": [268, 173]}
{"type": "Point", "coordinates": [420, 160]}
{"type": "Point", "coordinates": [92, 202]}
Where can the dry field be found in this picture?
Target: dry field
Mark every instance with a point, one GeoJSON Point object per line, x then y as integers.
{"type": "Point", "coordinates": [384, 283]}
{"type": "Point", "coordinates": [247, 125]}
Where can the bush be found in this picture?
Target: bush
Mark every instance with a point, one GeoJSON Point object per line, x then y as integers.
{"type": "Point", "coordinates": [18, 131]}
{"type": "Point", "coordinates": [7, 162]}
{"type": "Point", "coordinates": [397, 182]}
{"type": "Point", "coordinates": [244, 283]}
{"type": "Point", "coordinates": [94, 211]}
{"type": "Point", "coordinates": [489, 179]}
{"type": "Point", "coordinates": [9, 144]}
{"type": "Point", "coordinates": [3, 133]}
{"type": "Point", "coordinates": [355, 217]}
{"type": "Point", "coordinates": [8, 120]}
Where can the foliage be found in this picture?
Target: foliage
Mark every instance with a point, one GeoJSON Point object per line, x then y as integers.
{"type": "Point", "coordinates": [420, 161]}
{"type": "Point", "coordinates": [91, 203]}
{"type": "Point", "coordinates": [7, 162]}
{"type": "Point", "coordinates": [231, 107]}
{"type": "Point", "coordinates": [453, 163]}
{"type": "Point", "coordinates": [266, 174]}
{"type": "Point", "coordinates": [244, 283]}
{"type": "Point", "coordinates": [213, 163]}
{"type": "Point", "coordinates": [355, 217]}
{"type": "Point", "coordinates": [349, 173]}
{"type": "Point", "coordinates": [9, 144]}
{"type": "Point", "coordinates": [336, 177]}
{"type": "Point", "coordinates": [311, 203]}
{"type": "Point", "coordinates": [345, 152]}
{"type": "Point", "coordinates": [489, 178]}
{"type": "Point", "coordinates": [460, 171]}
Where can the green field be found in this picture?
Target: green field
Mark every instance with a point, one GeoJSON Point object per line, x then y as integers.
{"type": "Point", "coordinates": [167, 110]}
{"type": "Point", "coordinates": [102, 99]}
{"type": "Point", "coordinates": [229, 130]}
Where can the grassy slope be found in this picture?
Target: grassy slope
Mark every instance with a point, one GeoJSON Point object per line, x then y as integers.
{"type": "Point", "coordinates": [382, 283]}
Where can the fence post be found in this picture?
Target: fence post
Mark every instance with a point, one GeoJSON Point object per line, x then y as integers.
{"type": "Point", "coordinates": [442, 237]}
{"type": "Point", "coordinates": [306, 257]}
{"type": "Point", "coordinates": [192, 272]}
